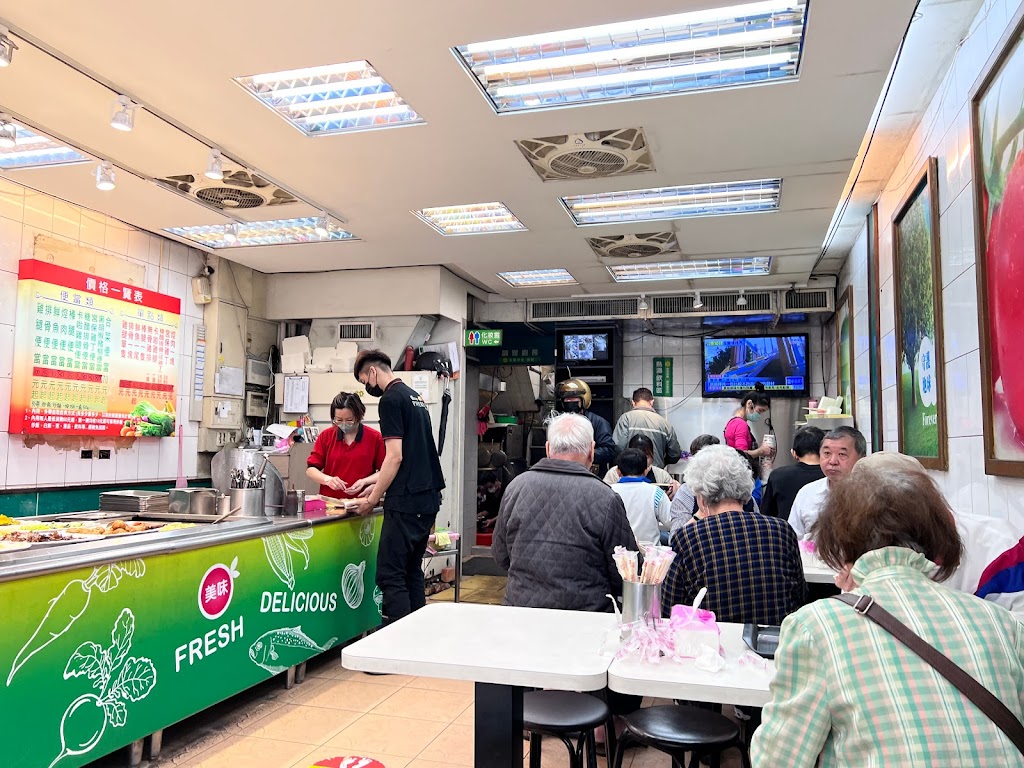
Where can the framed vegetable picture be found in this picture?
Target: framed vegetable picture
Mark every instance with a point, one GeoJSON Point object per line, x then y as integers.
{"type": "Point", "coordinates": [997, 125]}
{"type": "Point", "coordinates": [844, 349]}
{"type": "Point", "coordinates": [921, 405]}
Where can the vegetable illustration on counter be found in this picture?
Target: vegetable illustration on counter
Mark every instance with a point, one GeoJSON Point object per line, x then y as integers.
{"type": "Point", "coordinates": [378, 598]}
{"type": "Point", "coordinates": [279, 553]}
{"type": "Point", "coordinates": [280, 649]}
{"type": "Point", "coordinates": [118, 677]}
{"type": "Point", "coordinates": [352, 584]}
{"type": "Point", "coordinates": [145, 420]}
{"type": "Point", "coordinates": [67, 607]}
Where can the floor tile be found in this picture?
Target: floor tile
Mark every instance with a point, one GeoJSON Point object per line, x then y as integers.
{"type": "Point", "coordinates": [437, 684]}
{"type": "Point", "coordinates": [252, 752]}
{"type": "Point", "coordinates": [346, 694]}
{"type": "Point", "coordinates": [325, 752]}
{"type": "Point", "coordinates": [301, 691]}
{"type": "Point", "coordinates": [362, 677]}
{"type": "Point", "coordinates": [425, 705]}
{"type": "Point", "coordinates": [454, 746]}
{"type": "Point", "coordinates": [468, 717]}
{"type": "Point", "coordinates": [426, 764]}
{"type": "Point", "coordinates": [389, 735]}
{"type": "Point", "coordinates": [308, 725]}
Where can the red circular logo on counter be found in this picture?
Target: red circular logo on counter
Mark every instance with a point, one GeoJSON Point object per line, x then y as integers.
{"type": "Point", "coordinates": [215, 589]}
{"type": "Point", "coordinates": [348, 762]}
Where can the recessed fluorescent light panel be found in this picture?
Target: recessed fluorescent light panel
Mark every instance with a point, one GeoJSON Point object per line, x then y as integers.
{"type": "Point", "coordinates": [537, 278]}
{"type": "Point", "coordinates": [337, 98]}
{"type": "Point", "coordinates": [279, 232]}
{"type": "Point", "coordinates": [738, 45]}
{"type": "Point", "coordinates": [475, 219]}
{"type": "Point", "coordinates": [691, 270]}
{"type": "Point", "coordinates": [34, 150]}
{"type": "Point", "coordinates": [675, 202]}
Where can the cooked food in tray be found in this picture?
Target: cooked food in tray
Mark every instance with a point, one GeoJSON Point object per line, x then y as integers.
{"type": "Point", "coordinates": [114, 527]}
{"type": "Point", "coordinates": [39, 537]}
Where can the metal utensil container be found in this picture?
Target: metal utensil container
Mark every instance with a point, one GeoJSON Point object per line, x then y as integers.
{"type": "Point", "coordinates": [640, 601]}
{"type": "Point", "coordinates": [193, 501]}
{"type": "Point", "coordinates": [250, 502]}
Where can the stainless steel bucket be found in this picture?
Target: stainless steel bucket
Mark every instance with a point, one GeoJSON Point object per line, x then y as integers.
{"type": "Point", "coordinates": [250, 502]}
{"type": "Point", "coordinates": [640, 601]}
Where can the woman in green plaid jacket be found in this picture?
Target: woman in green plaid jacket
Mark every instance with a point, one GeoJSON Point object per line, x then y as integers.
{"type": "Point", "coordinates": [847, 692]}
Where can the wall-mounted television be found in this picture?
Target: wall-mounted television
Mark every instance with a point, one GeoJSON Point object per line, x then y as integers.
{"type": "Point", "coordinates": [734, 364]}
{"type": "Point", "coordinates": [580, 347]}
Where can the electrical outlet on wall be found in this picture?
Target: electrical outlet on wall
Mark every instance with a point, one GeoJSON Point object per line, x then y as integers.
{"type": "Point", "coordinates": [104, 453]}
{"type": "Point", "coordinates": [86, 453]}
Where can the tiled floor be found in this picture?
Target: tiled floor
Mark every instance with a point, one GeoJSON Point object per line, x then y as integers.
{"type": "Point", "coordinates": [403, 722]}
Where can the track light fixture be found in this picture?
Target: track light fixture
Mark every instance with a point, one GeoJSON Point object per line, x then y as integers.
{"type": "Point", "coordinates": [697, 303]}
{"type": "Point", "coordinates": [8, 132]}
{"type": "Point", "coordinates": [742, 300]}
{"type": "Point", "coordinates": [105, 176]}
{"type": "Point", "coordinates": [123, 116]}
{"type": "Point", "coordinates": [214, 166]}
{"type": "Point", "coordinates": [323, 228]}
{"type": "Point", "coordinates": [231, 234]}
{"type": "Point", "coordinates": [7, 47]}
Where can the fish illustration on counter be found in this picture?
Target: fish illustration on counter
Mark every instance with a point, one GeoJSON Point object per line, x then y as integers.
{"type": "Point", "coordinates": [279, 649]}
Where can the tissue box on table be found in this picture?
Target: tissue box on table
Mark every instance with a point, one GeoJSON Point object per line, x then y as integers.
{"type": "Point", "coordinates": [692, 630]}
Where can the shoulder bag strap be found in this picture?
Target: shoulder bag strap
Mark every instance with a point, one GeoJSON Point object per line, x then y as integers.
{"type": "Point", "coordinates": [992, 707]}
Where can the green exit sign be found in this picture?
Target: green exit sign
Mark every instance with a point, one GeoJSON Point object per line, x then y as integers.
{"type": "Point", "coordinates": [483, 338]}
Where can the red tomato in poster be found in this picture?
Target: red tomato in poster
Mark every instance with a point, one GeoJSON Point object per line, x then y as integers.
{"type": "Point", "coordinates": [1005, 263]}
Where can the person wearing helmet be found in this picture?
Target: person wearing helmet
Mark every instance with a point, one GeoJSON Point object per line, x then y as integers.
{"type": "Point", "coordinates": [574, 397]}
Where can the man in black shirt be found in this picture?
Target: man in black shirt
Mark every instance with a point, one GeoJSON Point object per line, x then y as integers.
{"type": "Point", "coordinates": [411, 477]}
{"type": "Point", "coordinates": [785, 482]}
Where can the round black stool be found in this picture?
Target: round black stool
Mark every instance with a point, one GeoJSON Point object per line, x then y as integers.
{"type": "Point", "coordinates": [565, 715]}
{"type": "Point", "coordinates": [675, 730]}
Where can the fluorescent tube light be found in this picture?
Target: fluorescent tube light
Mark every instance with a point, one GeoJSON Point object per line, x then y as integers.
{"type": "Point", "coordinates": [691, 270]}
{"type": "Point", "coordinates": [35, 150]}
{"type": "Point", "coordinates": [474, 219]}
{"type": "Point", "coordinates": [335, 98]}
{"type": "Point", "coordinates": [745, 44]}
{"type": "Point", "coordinates": [536, 278]}
{"type": "Point", "coordinates": [255, 233]}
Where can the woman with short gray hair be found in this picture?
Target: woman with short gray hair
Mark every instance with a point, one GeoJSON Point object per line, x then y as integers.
{"type": "Point", "coordinates": [749, 563]}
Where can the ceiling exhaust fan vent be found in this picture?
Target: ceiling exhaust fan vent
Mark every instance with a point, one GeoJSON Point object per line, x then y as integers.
{"type": "Point", "coordinates": [594, 155]}
{"type": "Point", "coordinates": [240, 189]}
{"type": "Point", "coordinates": [357, 331]}
{"type": "Point", "coordinates": [584, 309]}
{"type": "Point", "coordinates": [634, 246]}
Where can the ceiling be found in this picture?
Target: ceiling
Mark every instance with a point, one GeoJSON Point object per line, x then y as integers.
{"type": "Point", "coordinates": [179, 65]}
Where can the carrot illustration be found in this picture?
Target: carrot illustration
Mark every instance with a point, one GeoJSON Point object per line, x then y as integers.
{"type": "Point", "coordinates": [67, 607]}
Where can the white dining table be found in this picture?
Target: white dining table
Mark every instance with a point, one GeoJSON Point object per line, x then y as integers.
{"type": "Point", "coordinates": [504, 650]}
{"type": "Point", "coordinates": [815, 571]}
{"type": "Point", "coordinates": [742, 684]}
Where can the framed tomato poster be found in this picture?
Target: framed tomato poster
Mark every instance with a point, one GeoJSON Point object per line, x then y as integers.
{"type": "Point", "coordinates": [997, 124]}
{"type": "Point", "coordinates": [93, 357]}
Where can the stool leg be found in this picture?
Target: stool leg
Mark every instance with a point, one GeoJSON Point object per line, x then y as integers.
{"type": "Point", "coordinates": [716, 760]}
{"type": "Point", "coordinates": [695, 759]}
{"type": "Point", "coordinates": [609, 737]}
{"type": "Point", "coordinates": [575, 758]}
{"type": "Point", "coordinates": [535, 749]}
{"type": "Point", "coordinates": [591, 746]}
{"type": "Point", "coordinates": [620, 752]}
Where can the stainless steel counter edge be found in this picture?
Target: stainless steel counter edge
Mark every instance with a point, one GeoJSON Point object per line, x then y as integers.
{"type": "Point", "coordinates": [58, 559]}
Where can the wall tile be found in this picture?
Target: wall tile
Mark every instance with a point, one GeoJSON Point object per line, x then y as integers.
{"type": "Point", "coordinates": [10, 244]}
{"type": "Point", "coordinates": [168, 462]}
{"type": "Point", "coordinates": [67, 220]}
{"type": "Point", "coordinates": [889, 360]}
{"type": "Point", "coordinates": [887, 307]}
{"type": "Point", "coordinates": [890, 423]}
{"type": "Point", "coordinates": [174, 284]}
{"type": "Point", "coordinates": [78, 471]}
{"type": "Point", "coordinates": [38, 210]}
{"type": "Point", "coordinates": [653, 345]}
{"type": "Point", "coordinates": [115, 237]}
{"type": "Point", "coordinates": [5, 406]}
{"type": "Point", "coordinates": [178, 258]}
{"type": "Point", "coordinates": [998, 506]}
{"type": "Point", "coordinates": [149, 457]}
{"type": "Point", "coordinates": [672, 346]}
{"type": "Point", "coordinates": [692, 346]}
{"type": "Point", "coordinates": [4, 439]}
{"type": "Point", "coordinates": [127, 463]}
{"type": "Point", "coordinates": [632, 374]}
{"type": "Point", "coordinates": [191, 457]}
{"type": "Point", "coordinates": [12, 200]}
{"type": "Point", "coordinates": [960, 315]}
{"type": "Point", "coordinates": [52, 465]}
{"type": "Point", "coordinates": [105, 470]}
{"type": "Point", "coordinates": [968, 255]}
{"type": "Point", "coordinates": [93, 230]}
{"type": "Point", "coordinates": [8, 298]}
{"type": "Point", "coordinates": [138, 246]}
{"type": "Point", "coordinates": [6, 351]}
{"type": "Point", "coordinates": [22, 463]}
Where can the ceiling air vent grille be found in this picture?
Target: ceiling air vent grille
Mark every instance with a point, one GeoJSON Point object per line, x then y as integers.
{"type": "Point", "coordinates": [809, 299]}
{"type": "Point", "coordinates": [240, 189]}
{"type": "Point", "coordinates": [595, 155]}
{"type": "Point", "coordinates": [584, 309]}
{"type": "Point", "coordinates": [671, 305]}
{"type": "Point", "coordinates": [634, 246]}
{"type": "Point", "coordinates": [356, 332]}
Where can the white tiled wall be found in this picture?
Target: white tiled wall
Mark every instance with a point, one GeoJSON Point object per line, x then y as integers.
{"type": "Point", "coordinates": [24, 213]}
{"type": "Point", "coordinates": [944, 133]}
{"type": "Point", "coordinates": [690, 414]}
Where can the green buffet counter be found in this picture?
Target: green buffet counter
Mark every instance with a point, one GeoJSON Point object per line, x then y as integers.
{"type": "Point", "coordinates": [104, 643]}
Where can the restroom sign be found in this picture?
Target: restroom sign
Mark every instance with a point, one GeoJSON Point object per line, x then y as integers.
{"type": "Point", "coordinates": [483, 338]}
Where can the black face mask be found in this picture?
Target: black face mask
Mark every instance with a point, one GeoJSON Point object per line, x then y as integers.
{"type": "Point", "coordinates": [374, 391]}
{"type": "Point", "coordinates": [573, 407]}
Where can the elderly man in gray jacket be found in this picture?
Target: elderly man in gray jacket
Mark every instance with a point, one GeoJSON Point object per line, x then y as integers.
{"type": "Point", "coordinates": [558, 524]}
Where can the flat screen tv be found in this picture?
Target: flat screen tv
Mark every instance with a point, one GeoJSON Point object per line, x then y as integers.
{"type": "Point", "coordinates": [734, 364]}
{"type": "Point", "coordinates": [585, 347]}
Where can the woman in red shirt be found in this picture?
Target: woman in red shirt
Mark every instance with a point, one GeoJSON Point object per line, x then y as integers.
{"type": "Point", "coordinates": [345, 460]}
{"type": "Point", "coordinates": [753, 406]}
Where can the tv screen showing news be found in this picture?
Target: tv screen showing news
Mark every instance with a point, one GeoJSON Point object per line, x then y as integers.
{"type": "Point", "coordinates": [585, 346]}
{"type": "Point", "coordinates": [734, 364]}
